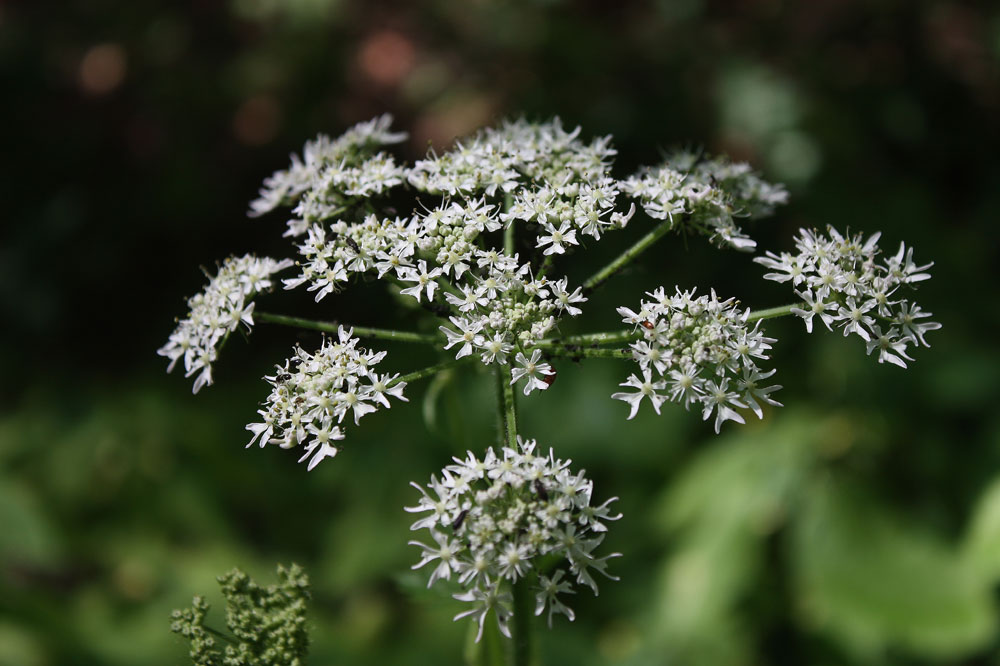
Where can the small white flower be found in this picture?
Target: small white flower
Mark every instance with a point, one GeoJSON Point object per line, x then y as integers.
{"type": "Point", "coordinates": [424, 280]}
{"type": "Point", "coordinates": [533, 370]}
{"type": "Point", "coordinates": [647, 389]}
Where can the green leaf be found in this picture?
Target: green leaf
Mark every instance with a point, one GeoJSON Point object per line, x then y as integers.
{"type": "Point", "coordinates": [718, 512]}
{"type": "Point", "coordinates": [27, 537]}
{"type": "Point", "coordinates": [873, 583]}
{"type": "Point", "coordinates": [981, 549]}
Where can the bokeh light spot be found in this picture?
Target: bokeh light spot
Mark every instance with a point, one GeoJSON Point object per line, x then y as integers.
{"type": "Point", "coordinates": [102, 69]}
{"type": "Point", "coordinates": [387, 57]}
{"type": "Point", "coordinates": [257, 120]}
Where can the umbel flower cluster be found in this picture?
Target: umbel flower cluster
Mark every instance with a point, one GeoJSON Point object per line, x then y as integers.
{"type": "Point", "coordinates": [490, 218]}
{"type": "Point", "coordinates": [517, 516]}
{"type": "Point", "coordinates": [842, 280]}
{"type": "Point", "coordinates": [312, 393]}
{"type": "Point", "coordinates": [474, 242]}
{"type": "Point", "coordinates": [267, 625]}
{"type": "Point", "coordinates": [705, 196]}
{"type": "Point", "coordinates": [216, 312]}
{"type": "Point", "coordinates": [696, 346]}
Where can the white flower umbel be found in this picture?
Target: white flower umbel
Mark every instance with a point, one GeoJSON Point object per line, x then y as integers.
{"type": "Point", "coordinates": [311, 394]}
{"type": "Point", "coordinates": [216, 312]}
{"type": "Point", "coordinates": [342, 168]}
{"type": "Point", "coordinates": [474, 241]}
{"type": "Point", "coordinates": [706, 196]}
{"type": "Point", "coordinates": [507, 518]}
{"type": "Point", "coordinates": [701, 350]}
{"type": "Point", "coordinates": [537, 177]}
{"type": "Point", "coordinates": [842, 279]}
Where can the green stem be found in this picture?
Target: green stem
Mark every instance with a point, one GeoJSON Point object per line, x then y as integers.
{"type": "Point", "coordinates": [627, 256]}
{"type": "Point", "coordinates": [431, 370]}
{"type": "Point", "coordinates": [576, 353]}
{"type": "Point", "coordinates": [508, 405]}
{"type": "Point", "coordinates": [224, 636]}
{"type": "Point", "coordinates": [362, 331]}
{"type": "Point", "coordinates": [520, 629]}
{"type": "Point", "coordinates": [771, 313]}
{"type": "Point", "coordinates": [508, 233]}
{"type": "Point", "coordinates": [609, 337]}
{"type": "Point", "coordinates": [449, 287]}
{"type": "Point", "coordinates": [545, 267]}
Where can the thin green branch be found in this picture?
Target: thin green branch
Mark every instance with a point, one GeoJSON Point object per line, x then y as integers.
{"type": "Point", "coordinates": [771, 313]}
{"type": "Point", "coordinates": [576, 352]}
{"type": "Point", "coordinates": [545, 267]}
{"type": "Point", "coordinates": [627, 256]}
{"type": "Point", "coordinates": [224, 636]}
{"type": "Point", "coordinates": [361, 331]}
{"type": "Point", "coordinates": [610, 337]}
{"type": "Point", "coordinates": [431, 370]}
{"type": "Point", "coordinates": [508, 232]}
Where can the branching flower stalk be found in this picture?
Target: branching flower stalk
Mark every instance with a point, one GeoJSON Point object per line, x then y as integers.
{"type": "Point", "coordinates": [476, 252]}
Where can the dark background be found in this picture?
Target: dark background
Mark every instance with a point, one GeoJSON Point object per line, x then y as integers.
{"type": "Point", "coordinates": [860, 524]}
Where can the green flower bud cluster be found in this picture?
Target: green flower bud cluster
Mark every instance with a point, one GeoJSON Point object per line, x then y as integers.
{"type": "Point", "coordinates": [267, 625]}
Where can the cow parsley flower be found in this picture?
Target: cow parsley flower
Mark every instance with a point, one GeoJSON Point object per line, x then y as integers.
{"type": "Point", "coordinates": [226, 302]}
{"type": "Point", "coordinates": [693, 348]}
{"type": "Point", "coordinates": [842, 279]}
{"type": "Point", "coordinates": [507, 517]}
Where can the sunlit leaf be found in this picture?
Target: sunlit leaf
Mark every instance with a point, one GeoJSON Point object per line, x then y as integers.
{"type": "Point", "coordinates": [872, 583]}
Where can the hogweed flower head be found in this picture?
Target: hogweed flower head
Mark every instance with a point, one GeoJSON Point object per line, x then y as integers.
{"type": "Point", "coordinates": [705, 196]}
{"type": "Point", "coordinates": [843, 280]}
{"type": "Point", "coordinates": [226, 302]}
{"type": "Point", "coordinates": [491, 221]}
{"type": "Point", "coordinates": [507, 517]}
{"type": "Point", "coordinates": [698, 349]}
{"type": "Point", "coordinates": [311, 394]}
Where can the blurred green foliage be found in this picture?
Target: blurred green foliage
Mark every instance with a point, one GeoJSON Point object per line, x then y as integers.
{"type": "Point", "coordinates": [860, 524]}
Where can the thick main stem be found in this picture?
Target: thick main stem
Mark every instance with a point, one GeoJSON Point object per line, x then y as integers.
{"type": "Point", "coordinates": [507, 405]}
{"type": "Point", "coordinates": [627, 256]}
{"type": "Point", "coordinates": [508, 232]}
{"type": "Point", "coordinates": [361, 331]}
{"type": "Point", "coordinates": [520, 629]}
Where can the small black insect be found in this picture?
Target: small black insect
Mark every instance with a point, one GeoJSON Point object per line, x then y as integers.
{"type": "Point", "coordinates": [283, 377]}
{"type": "Point", "coordinates": [459, 520]}
{"type": "Point", "coordinates": [353, 244]}
{"type": "Point", "coordinates": [540, 490]}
